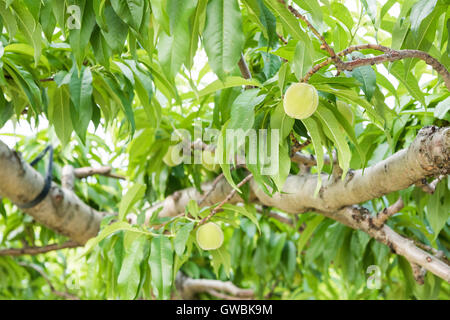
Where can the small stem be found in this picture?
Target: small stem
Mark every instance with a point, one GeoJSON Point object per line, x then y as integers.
{"type": "Point", "coordinates": [228, 198]}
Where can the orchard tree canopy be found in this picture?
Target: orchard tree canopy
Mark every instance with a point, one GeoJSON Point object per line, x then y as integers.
{"type": "Point", "coordinates": [220, 149]}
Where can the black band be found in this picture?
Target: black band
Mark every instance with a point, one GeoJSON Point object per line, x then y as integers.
{"type": "Point", "coordinates": [48, 179]}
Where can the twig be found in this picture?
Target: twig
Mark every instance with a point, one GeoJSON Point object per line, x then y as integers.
{"type": "Point", "coordinates": [90, 171]}
{"type": "Point", "coordinates": [388, 212]}
{"type": "Point", "coordinates": [65, 295]}
{"type": "Point", "coordinates": [325, 45]}
{"type": "Point", "coordinates": [297, 146]}
{"type": "Point", "coordinates": [68, 177]}
{"type": "Point", "coordinates": [429, 187]}
{"type": "Point", "coordinates": [282, 38]}
{"type": "Point", "coordinates": [244, 68]}
{"type": "Point", "coordinates": [276, 216]}
{"type": "Point", "coordinates": [389, 56]}
{"type": "Point", "coordinates": [418, 273]}
{"type": "Point", "coordinates": [227, 198]}
{"type": "Point", "coordinates": [213, 186]}
{"type": "Point", "coordinates": [38, 250]}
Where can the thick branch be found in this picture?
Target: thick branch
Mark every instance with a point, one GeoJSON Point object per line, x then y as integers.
{"type": "Point", "coordinates": [61, 210]}
{"type": "Point", "coordinates": [428, 155]}
{"type": "Point", "coordinates": [359, 218]}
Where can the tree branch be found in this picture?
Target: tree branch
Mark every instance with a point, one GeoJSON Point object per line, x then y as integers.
{"type": "Point", "coordinates": [382, 216]}
{"type": "Point", "coordinates": [325, 45]}
{"type": "Point", "coordinates": [65, 295]}
{"type": "Point", "coordinates": [359, 218]}
{"type": "Point", "coordinates": [389, 56]}
{"type": "Point", "coordinates": [227, 198]}
{"type": "Point", "coordinates": [428, 155]}
{"type": "Point", "coordinates": [38, 250]}
{"type": "Point", "coordinates": [188, 288]}
{"type": "Point", "coordinates": [61, 210]}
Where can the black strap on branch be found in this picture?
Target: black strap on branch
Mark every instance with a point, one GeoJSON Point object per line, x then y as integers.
{"type": "Point", "coordinates": [48, 179]}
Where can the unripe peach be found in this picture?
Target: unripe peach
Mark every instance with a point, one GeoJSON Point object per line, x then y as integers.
{"type": "Point", "coordinates": [172, 157]}
{"type": "Point", "coordinates": [209, 236]}
{"type": "Point", "coordinates": [208, 161]}
{"type": "Point", "coordinates": [300, 101]}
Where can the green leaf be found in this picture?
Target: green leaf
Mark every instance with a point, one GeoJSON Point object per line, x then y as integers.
{"type": "Point", "coordinates": [303, 59]}
{"type": "Point", "coordinates": [288, 260]}
{"type": "Point", "coordinates": [159, 11]}
{"type": "Point", "coordinates": [265, 19]}
{"type": "Point", "coordinates": [223, 37]}
{"type": "Point", "coordinates": [318, 143]}
{"type": "Point", "coordinates": [340, 38]}
{"type": "Point", "coordinates": [277, 241]}
{"type": "Point", "coordinates": [221, 257]}
{"type": "Point", "coordinates": [144, 89]}
{"type": "Point", "coordinates": [442, 109]}
{"type": "Point", "coordinates": [419, 12]}
{"type": "Point", "coordinates": [131, 11]}
{"type": "Point", "coordinates": [192, 208]}
{"type": "Point", "coordinates": [313, 8]}
{"type": "Point", "coordinates": [80, 87]}
{"type": "Point", "coordinates": [117, 30]}
{"type": "Point", "coordinates": [130, 272]}
{"type": "Point", "coordinates": [30, 28]}
{"type": "Point", "coordinates": [242, 110]}
{"type": "Point", "coordinates": [173, 49]}
{"type": "Point", "coordinates": [308, 231]}
{"type": "Point", "coordinates": [281, 121]}
{"type": "Point", "coordinates": [246, 211]}
{"type": "Point", "coordinates": [182, 237]}
{"type": "Point", "coordinates": [330, 123]}
{"type": "Point", "coordinates": [107, 231]}
{"type": "Point", "coordinates": [219, 85]}
{"type": "Point", "coordinates": [8, 20]}
{"type": "Point", "coordinates": [133, 195]}
{"type": "Point", "coordinates": [59, 11]}
{"type": "Point", "coordinates": [198, 24]}
{"type": "Point", "coordinates": [289, 21]}
{"type": "Point", "coordinates": [47, 19]}
{"type": "Point", "coordinates": [59, 113]}
{"type": "Point", "coordinates": [408, 80]}
{"type": "Point", "coordinates": [438, 208]}
{"type": "Point", "coordinates": [79, 37]}
{"type": "Point", "coordinates": [161, 265]}
{"type": "Point", "coordinates": [366, 76]}
{"type": "Point", "coordinates": [26, 83]}
{"type": "Point", "coordinates": [371, 9]}
{"type": "Point", "coordinates": [6, 112]}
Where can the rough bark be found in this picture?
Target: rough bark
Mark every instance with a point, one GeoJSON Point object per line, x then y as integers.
{"type": "Point", "coordinates": [61, 210]}
{"type": "Point", "coordinates": [428, 155]}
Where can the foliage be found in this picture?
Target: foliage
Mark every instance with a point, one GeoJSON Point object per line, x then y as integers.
{"type": "Point", "coordinates": [136, 71]}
